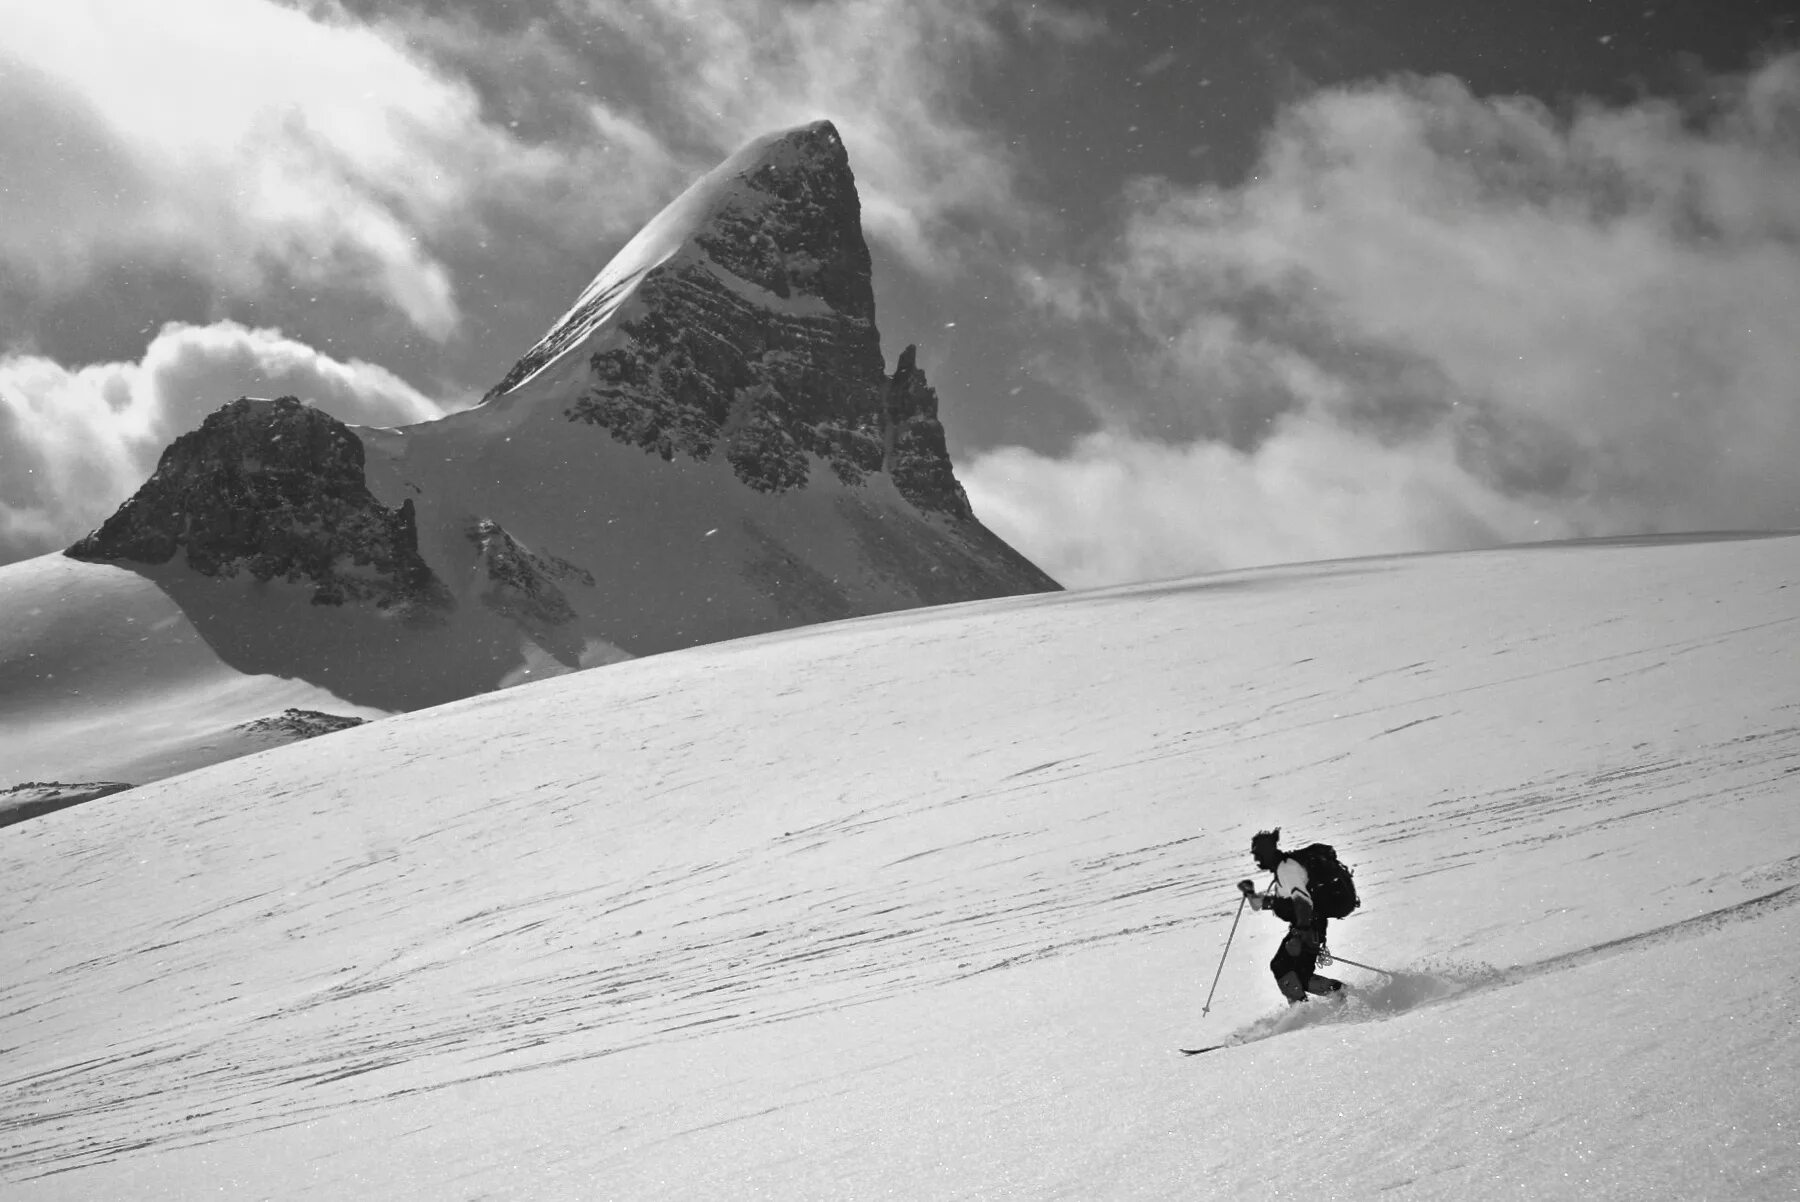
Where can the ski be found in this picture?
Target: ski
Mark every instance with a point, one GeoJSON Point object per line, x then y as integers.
{"type": "Point", "coordinates": [1209, 1048]}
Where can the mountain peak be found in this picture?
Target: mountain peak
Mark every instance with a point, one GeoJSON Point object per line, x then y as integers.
{"type": "Point", "coordinates": [741, 321]}
{"type": "Point", "coordinates": [781, 214]}
{"type": "Point", "coordinates": [791, 221]}
{"type": "Point", "coordinates": [789, 477]}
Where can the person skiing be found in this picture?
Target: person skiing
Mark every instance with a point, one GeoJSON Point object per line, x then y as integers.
{"type": "Point", "coordinates": [1297, 959]}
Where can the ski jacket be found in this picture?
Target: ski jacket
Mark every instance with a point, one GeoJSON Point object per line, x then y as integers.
{"type": "Point", "coordinates": [1288, 895]}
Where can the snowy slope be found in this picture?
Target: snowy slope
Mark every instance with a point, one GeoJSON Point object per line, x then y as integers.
{"type": "Point", "coordinates": [102, 676]}
{"type": "Point", "coordinates": [921, 905]}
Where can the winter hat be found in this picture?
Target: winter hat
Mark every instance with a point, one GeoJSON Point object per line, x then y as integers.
{"type": "Point", "coordinates": [1265, 841]}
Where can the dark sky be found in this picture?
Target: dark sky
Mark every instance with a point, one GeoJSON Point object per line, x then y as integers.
{"type": "Point", "coordinates": [1093, 218]}
{"type": "Point", "coordinates": [1188, 90]}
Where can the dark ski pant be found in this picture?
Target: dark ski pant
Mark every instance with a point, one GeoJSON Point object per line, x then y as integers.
{"type": "Point", "coordinates": [1293, 973]}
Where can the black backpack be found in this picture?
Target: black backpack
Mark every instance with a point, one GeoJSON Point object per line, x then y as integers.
{"type": "Point", "coordinates": [1329, 880]}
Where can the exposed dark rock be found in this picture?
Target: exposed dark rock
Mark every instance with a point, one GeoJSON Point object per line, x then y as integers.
{"type": "Point", "coordinates": [275, 489]}
{"type": "Point", "coordinates": [795, 229]}
{"type": "Point", "coordinates": [521, 587]}
{"type": "Point", "coordinates": [519, 581]}
{"type": "Point", "coordinates": [36, 797]}
{"type": "Point", "coordinates": [708, 365]}
{"type": "Point", "coordinates": [298, 724]}
{"type": "Point", "coordinates": [914, 453]}
{"type": "Point", "coordinates": [765, 344]}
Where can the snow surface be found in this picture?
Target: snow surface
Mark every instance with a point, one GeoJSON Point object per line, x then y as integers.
{"type": "Point", "coordinates": [922, 905]}
{"type": "Point", "coordinates": [102, 677]}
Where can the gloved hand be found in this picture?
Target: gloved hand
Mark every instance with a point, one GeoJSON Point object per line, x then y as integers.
{"type": "Point", "coordinates": [1246, 888]}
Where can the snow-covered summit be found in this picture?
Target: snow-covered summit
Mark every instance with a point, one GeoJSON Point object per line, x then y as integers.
{"type": "Point", "coordinates": [699, 224]}
{"type": "Point", "coordinates": [740, 322]}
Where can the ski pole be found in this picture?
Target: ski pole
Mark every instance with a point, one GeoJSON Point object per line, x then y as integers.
{"type": "Point", "coordinates": [1242, 898]}
{"type": "Point", "coordinates": [1337, 959]}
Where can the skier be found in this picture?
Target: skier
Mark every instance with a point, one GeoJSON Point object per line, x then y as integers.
{"type": "Point", "coordinates": [1295, 962]}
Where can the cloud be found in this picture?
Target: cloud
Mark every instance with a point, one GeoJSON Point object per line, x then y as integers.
{"type": "Point", "coordinates": [1119, 508]}
{"type": "Point", "coordinates": [266, 147]}
{"type": "Point", "coordinates": [253, 143]}
{"type": "Point", "coordinates": [1433, 320]}
{"type": "Point", "coordinates": [895, 76]}
{"type": "Point", "coordinates": [75, 443]}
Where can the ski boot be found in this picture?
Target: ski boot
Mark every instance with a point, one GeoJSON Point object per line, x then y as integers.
{"type": "Point", "coordinates": [1326, 987]}
{"type": "Point", "coordinates": [1291, 988]}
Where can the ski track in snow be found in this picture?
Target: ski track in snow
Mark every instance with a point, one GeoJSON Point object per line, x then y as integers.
{"type": "Point", "coordinates": [760, 956]}
{"type": "Point", "coordinates": [836, 950]}
{"type": "Point", "coordinates": [1408, 989]}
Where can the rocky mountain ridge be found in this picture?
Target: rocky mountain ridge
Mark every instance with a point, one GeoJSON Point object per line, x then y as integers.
{"type": "Point", "coordinates": [707, 445]}
{"type": "Point", "coordinates": [274, 489]}
{"type": "Point", "coordinates": [757, 340]}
